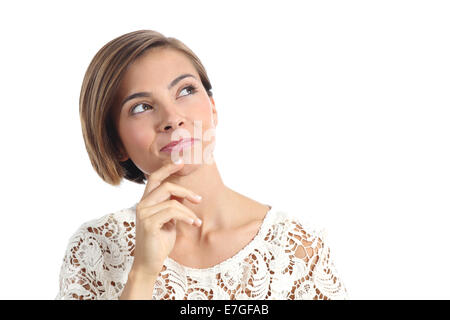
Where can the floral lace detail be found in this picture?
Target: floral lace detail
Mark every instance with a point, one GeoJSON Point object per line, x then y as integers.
{"type": "Point", "coordinates": [285, 260]}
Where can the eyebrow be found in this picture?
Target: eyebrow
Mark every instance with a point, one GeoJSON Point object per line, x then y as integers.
{"type": "Point", "coordinates": [149, 94]}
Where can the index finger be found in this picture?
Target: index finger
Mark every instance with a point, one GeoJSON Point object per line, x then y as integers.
{"type": "Point", "coordinates": [157, 177]}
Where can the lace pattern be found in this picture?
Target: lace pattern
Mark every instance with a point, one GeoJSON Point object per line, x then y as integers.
{"type": "Point", "coordinates": [285, 260]}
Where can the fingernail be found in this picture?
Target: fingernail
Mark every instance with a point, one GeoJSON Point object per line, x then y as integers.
{"type": "Point", "coordinates": [179, 161]}
{"type": "Point", "coordinates": [198, 197]}
{"type": "Point", "coordinates": [199, 222]}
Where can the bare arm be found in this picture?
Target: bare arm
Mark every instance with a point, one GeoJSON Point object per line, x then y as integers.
{"type": "Point", "coordinates": [139, 286]}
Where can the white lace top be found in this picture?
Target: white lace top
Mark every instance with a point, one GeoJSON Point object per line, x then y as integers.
{"type": "Point", "coordinates": [285, 260]}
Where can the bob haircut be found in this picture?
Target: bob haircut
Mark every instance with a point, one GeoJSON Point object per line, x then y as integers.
{"type": "Point", "coordinates": [98, 90]}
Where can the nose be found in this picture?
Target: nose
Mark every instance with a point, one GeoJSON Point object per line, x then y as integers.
{"type": "Point", "coordinates": [171, 125]}
{"type": "Point", "coordinates": [172, 122]}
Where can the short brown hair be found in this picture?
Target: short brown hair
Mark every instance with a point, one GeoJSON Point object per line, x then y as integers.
{"type": "Point", "coordinates": [98, 91]}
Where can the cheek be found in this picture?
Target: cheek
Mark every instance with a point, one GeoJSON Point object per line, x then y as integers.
{"type": "Point", "coordinates": [205, 115]}
{"type": "Point", "coordinates": [136, 137]}
{"type": "Point", "coordinates": [203, 121]}
{"type": "Point", "coordinates": [208, 127]}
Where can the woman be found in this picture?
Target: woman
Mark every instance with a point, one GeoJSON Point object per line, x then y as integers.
{"type": "Point", "coordinates": [142, 94]}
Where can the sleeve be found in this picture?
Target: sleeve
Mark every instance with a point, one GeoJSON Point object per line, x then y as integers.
{"type": "Point", "coordinates": [81, 275]}
{"type": "Point", "coordinates": [317, 277]}
{"type": "Point", "coordinates": [327, 282]}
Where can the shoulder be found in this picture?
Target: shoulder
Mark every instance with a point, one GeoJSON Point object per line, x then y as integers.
{"type": "Point", "coordinates": [299, 234]}
{"type": "Point", "coordinates": [120, 217]}
{"type": "Point", "coordinates": [97, 256]}
{"type": "Point", "coordinates": [110, 227]}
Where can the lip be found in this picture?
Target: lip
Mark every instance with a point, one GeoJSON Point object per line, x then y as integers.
{"type": "Point", "coordinates": [178, 144]}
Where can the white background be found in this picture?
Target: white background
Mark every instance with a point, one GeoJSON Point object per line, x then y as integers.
{"type": "Point", "coordinates": [335, 110]}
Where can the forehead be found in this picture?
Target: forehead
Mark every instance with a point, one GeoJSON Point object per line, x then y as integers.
{"type": "Point", "coordinates": [157, 67]}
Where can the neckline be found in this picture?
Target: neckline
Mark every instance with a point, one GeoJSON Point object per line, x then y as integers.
{"type": "Point", "coordinates": [237, 256]}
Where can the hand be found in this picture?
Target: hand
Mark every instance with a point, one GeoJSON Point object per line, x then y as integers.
{"type": "Point", "coordinates": [156, 218]}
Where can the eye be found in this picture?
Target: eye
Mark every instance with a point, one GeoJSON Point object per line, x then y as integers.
{"type": "Point", "coordinates": [139, 104]}
{"type": "Point", "coordinates": [190, 88]}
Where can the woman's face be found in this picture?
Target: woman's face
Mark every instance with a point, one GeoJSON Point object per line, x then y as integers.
{"type": "Point", "coordinates": [171, 111]}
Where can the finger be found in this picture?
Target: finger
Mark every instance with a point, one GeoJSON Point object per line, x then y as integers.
{"type": "Point", "coordinates": [166, 191]}
{"type": "Point", "coordinates": [157, 220]}
{"type": "Point", "coordinates": [157, 177]}
{"type": "Point", "coordinates": [149, 211]}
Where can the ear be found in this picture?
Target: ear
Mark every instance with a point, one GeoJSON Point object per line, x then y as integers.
{"type": "Point", "coordinates": [214, 111]}
{"type": "Point", "coordinates": [122, 156]}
